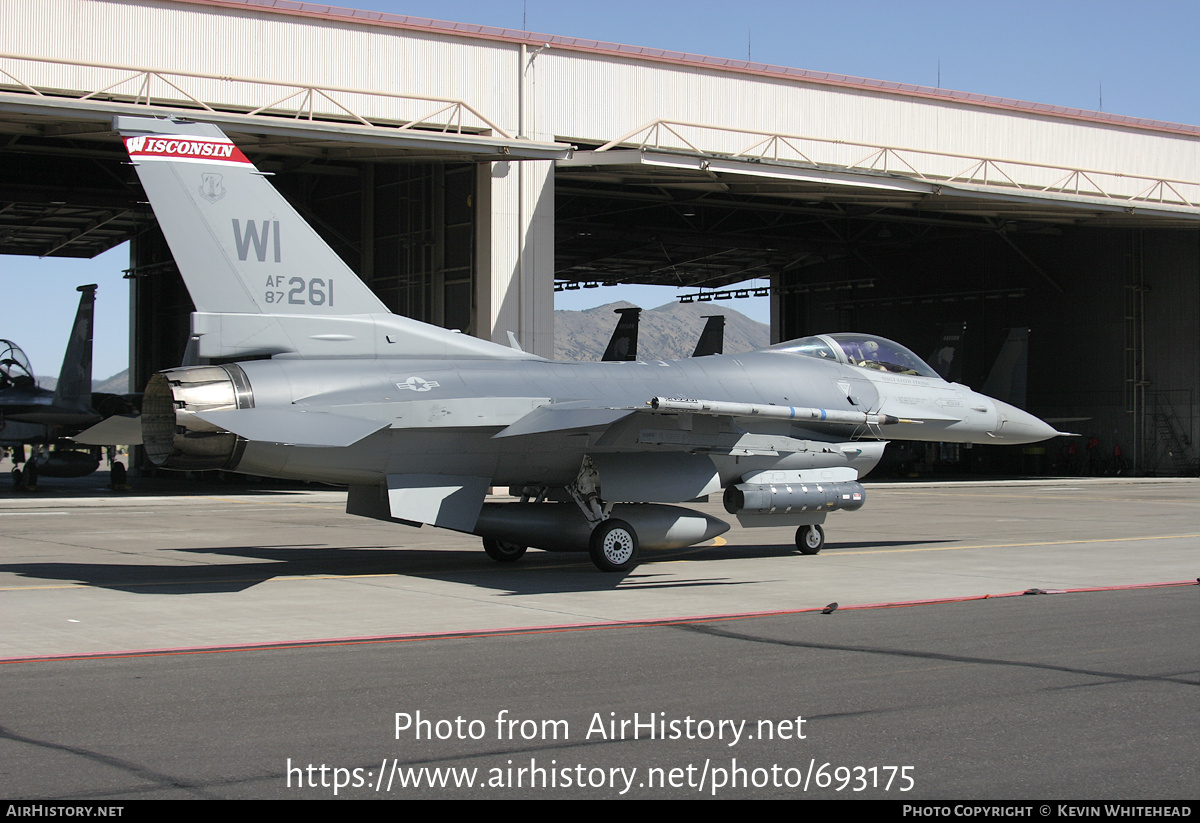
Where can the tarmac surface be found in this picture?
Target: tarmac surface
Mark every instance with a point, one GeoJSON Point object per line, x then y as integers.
{"type": "Point", "coordinates": [250, 643]}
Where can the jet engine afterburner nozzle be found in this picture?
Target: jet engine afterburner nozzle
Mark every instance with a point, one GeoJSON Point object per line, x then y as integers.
{"type": "Point", "coordinates": [174, 436]}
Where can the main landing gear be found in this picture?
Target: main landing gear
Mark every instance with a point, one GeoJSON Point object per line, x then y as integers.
{"type": "Point", "coordinates": [613, 546]}
{"type": "Point", "coordinates": [612, 543]}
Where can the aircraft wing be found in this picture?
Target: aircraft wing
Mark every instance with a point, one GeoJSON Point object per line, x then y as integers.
{"type": "Point", "coordinates": [564, 417]}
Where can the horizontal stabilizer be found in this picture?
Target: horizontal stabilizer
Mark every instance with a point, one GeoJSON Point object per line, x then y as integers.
{"type": "Point", "coordinates": [118, 430]}
{"type": "Point", "coordinates": [563, 417]}
{"type": "Point", "coordinates": [296, 427]}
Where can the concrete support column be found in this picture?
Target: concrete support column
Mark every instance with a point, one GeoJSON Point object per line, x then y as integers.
{"type": "Point", "coordinates": [514, 272]}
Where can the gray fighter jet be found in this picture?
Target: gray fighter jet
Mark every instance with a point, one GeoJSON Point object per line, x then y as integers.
{"type": "Point", "coordinates": [44, 419]}
{"type": "Point", "coordinates": [318, 381]}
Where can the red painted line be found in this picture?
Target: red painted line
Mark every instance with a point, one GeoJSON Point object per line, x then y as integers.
{"type": "Point", "coordinates": [553, 629]}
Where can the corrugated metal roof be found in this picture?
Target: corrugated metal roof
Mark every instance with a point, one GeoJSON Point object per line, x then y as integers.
{"type": "Point", "coordinates": [339, 14]}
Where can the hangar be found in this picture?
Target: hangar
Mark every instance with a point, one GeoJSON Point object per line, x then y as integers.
{"type": "Point", "coordinates": [466, 172]}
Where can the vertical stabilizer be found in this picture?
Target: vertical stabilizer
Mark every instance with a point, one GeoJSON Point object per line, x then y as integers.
{"type": "Point", "coordinates": [947, 358]}
{"type": "Point", "coordinates": [1007, 379]}
{"type": "Point", "coordinates": [263, 282]}
{"type": "Point", "coordinates": [712, 338]}
{"type": "Point", "coordinates": [623, 343]}
{"type": "Point", "coordinates": [74, 389]}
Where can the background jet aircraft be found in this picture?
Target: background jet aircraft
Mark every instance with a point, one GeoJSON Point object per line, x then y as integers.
{"type": "Point", "coordinates": [623, 343]}
{"type": "Point", "coordinates": [33, 416]}
{"type": "Point", "coordinates": [420, 422]}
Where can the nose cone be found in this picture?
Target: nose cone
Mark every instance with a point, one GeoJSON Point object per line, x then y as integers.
{"type": "Point", "coordinates": [1017, 426]}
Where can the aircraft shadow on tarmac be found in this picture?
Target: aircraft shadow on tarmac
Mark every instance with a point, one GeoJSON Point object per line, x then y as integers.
{"type": "Point", "coordinates": [537, 573]}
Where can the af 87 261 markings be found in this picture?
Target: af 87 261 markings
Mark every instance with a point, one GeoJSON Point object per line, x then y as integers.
{"type": "Point", "coordinates": [299, 291]}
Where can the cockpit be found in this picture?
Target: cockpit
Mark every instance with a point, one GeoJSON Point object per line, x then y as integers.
{"type": "Point", "coordinates": [14, 366]}
{"type": "Point", "coordinates": [863, 350]}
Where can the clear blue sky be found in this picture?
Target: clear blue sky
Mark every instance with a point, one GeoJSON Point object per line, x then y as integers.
{"type": "Point", "coordinates": [1141, 57]}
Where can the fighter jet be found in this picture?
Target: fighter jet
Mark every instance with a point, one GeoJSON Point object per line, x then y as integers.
{"type": "Point", "coordinates": [318, 381]}
{"type": "Point", "coordinates": [33, 416]}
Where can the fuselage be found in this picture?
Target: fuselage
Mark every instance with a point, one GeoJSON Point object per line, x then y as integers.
{"type": "Point", "coordinates": [443, 416]}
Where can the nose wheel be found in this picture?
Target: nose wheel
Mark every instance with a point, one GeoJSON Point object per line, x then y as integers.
{"type": "Point", "coordinates": [810, 539]}
{"type": "Point", "coordinates": [613, 546]}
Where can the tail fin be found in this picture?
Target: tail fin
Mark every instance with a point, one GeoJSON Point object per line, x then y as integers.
{"type": "Point", "coordinates": [947, 358]}
{"type": "Point", "coordinates": [623, 343]}
{"type": "Point", "coordinates": [712, 339]}
{"type": "Point", "coordinates": [74, 389]}
{"type": "Point", "coordinates": [1006, 381]}
{"type": "Point", "coordinates": [262, 280]}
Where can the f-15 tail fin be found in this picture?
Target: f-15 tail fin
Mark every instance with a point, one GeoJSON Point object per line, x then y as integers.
{"type": "Point", "coordinates": [623, 343]}
{"type": "Point", "coordinates": [74, 387]}
{"type": "Point", "coordinates": [262, 280]}
{"type": "Point", "coordinates": [1006, 381]}
{"type": "Point", "coordinates": [712, 339]}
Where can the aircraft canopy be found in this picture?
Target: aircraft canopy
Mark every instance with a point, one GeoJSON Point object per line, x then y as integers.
{"type": "Point", "coordinates": [14, 366]}
{"type": "Point", "coordinates": [863, 350]}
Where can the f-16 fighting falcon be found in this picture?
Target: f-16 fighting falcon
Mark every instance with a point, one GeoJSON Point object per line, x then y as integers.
{"type": "Point", "coordinates": [318, 381]}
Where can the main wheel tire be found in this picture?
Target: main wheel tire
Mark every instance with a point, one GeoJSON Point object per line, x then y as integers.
{"type": "Point", "coordinates": [502, 551]}
{"type": "Point", "coordinates": [613, 546]}
{"type": "Point", "coordinates": [17, 479]}
{"type": "Point", "coordinates": [810, 539]}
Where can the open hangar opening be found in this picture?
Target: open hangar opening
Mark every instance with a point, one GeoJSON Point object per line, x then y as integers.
{"type": "Point", "coordinates": [473, 229]}
{"type": "Point", "coordinates": [1110, 297]}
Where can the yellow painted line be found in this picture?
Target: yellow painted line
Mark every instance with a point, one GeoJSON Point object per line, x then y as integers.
{"type": "Point", "coordinates": [264, 502]}
{"type": "Point", "coordinates": [1020, 545]}
{"type": "Point", "coordinates": [1013, 495]}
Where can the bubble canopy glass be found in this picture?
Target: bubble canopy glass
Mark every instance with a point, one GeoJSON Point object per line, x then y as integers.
{"type": "Point", "coordinates": [863, 350]}
{"type": "Point", "coordinates": [14, 365]}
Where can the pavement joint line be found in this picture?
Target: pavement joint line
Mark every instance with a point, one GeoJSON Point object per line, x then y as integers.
{"type": "Point", "coordinates": [646, 561]}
